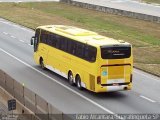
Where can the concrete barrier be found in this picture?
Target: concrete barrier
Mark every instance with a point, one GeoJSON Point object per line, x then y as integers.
{"type": "Point", "coordinates": [2, 79]}
{"type": "Point", "coordinates": [42, 110]}
{"type": "Point", "coordinates": [21, 113]}
{"type": "Point", "coordinates": [9, 84]}
{"type": "Point", "coordinates": [29, 98]}
{"type": "Point", "coordinates": [54, 113]}
{"type": "Point", "coordinates": [19, 91]}
{"type": "Point", "coordinates": [28, 104]}
{"type": "Point", "coordinates": [114, 11]}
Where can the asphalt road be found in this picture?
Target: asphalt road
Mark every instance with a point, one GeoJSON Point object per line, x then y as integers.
{"type": "Point", "coordinates": [26, 0]}
{"type": "Point", "coordinates": [16, 58]}
{"type": "Point", "coordinates": [127, 5]}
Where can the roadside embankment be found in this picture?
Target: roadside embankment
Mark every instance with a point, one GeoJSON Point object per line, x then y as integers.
{"type": "Point", "coordinates": [115, 11]}
{"type": "Point", "coordinates": [143, 35]}
{"type": "Point", "coordinates": [29, 105]}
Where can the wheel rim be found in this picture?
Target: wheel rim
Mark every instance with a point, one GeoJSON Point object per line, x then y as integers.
{"type": "Point", "coordinates": [79, 86]}
{"type": "Point", "coordinates": [79, 83]}
{"type": "Point", "coordinates": [71, 79]}
{"type": "Point", "coordinates": [42, 64]}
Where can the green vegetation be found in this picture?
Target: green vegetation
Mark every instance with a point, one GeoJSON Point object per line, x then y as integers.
{"type": "Point", "coordinates": [152, 1]}
{"type": "Point", "coordinates": [143, 35]}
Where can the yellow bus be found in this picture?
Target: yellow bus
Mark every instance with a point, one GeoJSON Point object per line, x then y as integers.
{"type": "Point", "coordinates": [88, 60]}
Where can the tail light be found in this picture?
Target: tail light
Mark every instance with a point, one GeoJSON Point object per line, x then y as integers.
{"type": "Point", "coordinates": [99, 80]}
{"type": "Point", "coordinates": [131, 78]}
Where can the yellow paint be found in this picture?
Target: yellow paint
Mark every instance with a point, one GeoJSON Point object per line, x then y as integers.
{"type": "Point", "coordinates": [88, 71]}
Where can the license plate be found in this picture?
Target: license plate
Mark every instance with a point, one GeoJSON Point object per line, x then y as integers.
{"type": "Point", "coordinates": [115, 84]}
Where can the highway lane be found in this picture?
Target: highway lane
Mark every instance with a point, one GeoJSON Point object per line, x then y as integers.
{"type": "Point", "coordinates": [27, 0]}
{"type": "Point", "coordinates": [37, 82]}
{"type": "Point", "coordinates": [127, 5]}
{"type": "Point", "coordinates": [17, 59]}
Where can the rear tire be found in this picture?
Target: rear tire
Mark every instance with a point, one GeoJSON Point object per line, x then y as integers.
{"type": "Point", "coordinates": [42, 64]}
{"type": "Point", "coordinates": [70, 78]}
{"type": "Point", "coordinates": [78, 83]}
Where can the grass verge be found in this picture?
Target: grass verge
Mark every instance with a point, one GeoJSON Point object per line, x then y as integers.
{"type": "Point", "coordinates": [143, 35]}
{"type": "Point", "coordinates": [152, 1]}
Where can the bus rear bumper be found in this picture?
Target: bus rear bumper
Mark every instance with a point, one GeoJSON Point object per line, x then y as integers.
{"type": "Point", "coordinates": [116, 88]}
{"type": "Point", "coordinates": [113, 88]}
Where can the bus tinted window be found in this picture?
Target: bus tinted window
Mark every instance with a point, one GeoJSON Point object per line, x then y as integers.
{"type": "Point", "coordinates": [71, 47]}
{"type": "Point", "coordinates": [63, 45]}
{"type": "Point", "coordinates": [76, 48]}
{"type": "Point", "coordinates": [49, 40]}
{"type": "Point", "coordinates": [57, 41]}
{"type": "Point", "coordinates": [79, 49]}
{"type": "Point", "coordinates": [90, 53]}
{"type": "Point", "coordinates": [115, 52]}
{"type": "Point", "coordinates": [43, 37]}
{"type": "Point", "coordinates": [37, 33]}
{"type": "Point", "coordinates": [53, 39]}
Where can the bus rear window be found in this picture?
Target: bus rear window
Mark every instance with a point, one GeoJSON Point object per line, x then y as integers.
{"type": "Point", "coordinates": [118, 52]}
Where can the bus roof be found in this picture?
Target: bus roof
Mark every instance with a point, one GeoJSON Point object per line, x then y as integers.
{"type": "Point", "coordinates": [82, 35]}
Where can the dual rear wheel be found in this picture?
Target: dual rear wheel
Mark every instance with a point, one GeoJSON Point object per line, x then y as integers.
{"type": "Point", "coordinates": [42, 63]}
{"type": "Point", "coordinates": [70, 77]}
{"type": "Point", "coordinates": [77, 80]}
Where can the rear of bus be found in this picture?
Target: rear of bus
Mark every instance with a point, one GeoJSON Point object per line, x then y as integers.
{"type": "Point", "coordinates": [116, 65]}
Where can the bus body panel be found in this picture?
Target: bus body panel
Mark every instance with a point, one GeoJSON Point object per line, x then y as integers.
{"type": "Point", "coordinates": [61, 63]}
{"type": "Point", "coordinates": [102, 75]}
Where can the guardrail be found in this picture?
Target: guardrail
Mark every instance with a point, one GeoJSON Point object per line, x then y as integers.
{"type": "Point", "coordinates": [114, 11]}
{"type": "Point", "coordinates": [27, 98]}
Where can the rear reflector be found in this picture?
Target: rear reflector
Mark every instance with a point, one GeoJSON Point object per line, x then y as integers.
{"type": "Point", "coordinates": [99, 80]}
{"type": "Point", "coordinates": [131, 78]}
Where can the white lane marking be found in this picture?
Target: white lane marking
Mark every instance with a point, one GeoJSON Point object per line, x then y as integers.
{"type": "Point", "coordinates": [13, 36]}
{"type": "Point", "coordinates": [21, 40]}
{"type": "Point", "coordinates": [18, 26]}
{"type": "Point", "coordinates": [5, 33]}
{"type": "Point", "coordinates": [119, 1]}
{"type": "Point", "coordinates": [15, 25]}
{"type": "Point", "coordinates": [89, 100]}
{"type": "Point", "coordinates": [140, 73]}
{"type": "Point", "coordinates": [18, 102]}
{"type": "Point", "coordinates": [29, 44]}
{"type": "Point", "coordinates": [147, 98]}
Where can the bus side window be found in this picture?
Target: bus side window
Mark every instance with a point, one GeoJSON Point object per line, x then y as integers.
{"type": "Point", "coordinates": [63, 44]}
{"type": "Point", "coordinates": [71, 47]}
{"type": "Point", "coordinates": [37, 34]}
{"type": "Point", "coordinates": [90, 53]}
{"type": "Point", "coordinates": [58, 41]}
{"type": "Point", "coordinates": [86, 53]}
{"type": "Point", "coordinates": [79, 50]}
{"type": "Point", "coordinates": [74, 48]}
{"type": "Point", "coordinates": [43, 37]}
{"type": "Point", "coordinates": [49, 40]}
{"type": "Point", "coordinates": [36, 40]}
{"type": "Point", "coordinates": [53, 39]}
